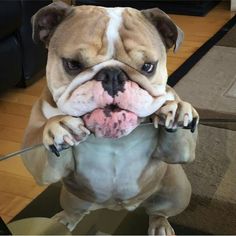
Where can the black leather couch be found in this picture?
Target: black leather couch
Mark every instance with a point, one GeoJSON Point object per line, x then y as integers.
{"type": "Point", "coordinates": [184, 7]}
{"type": "Point", "coordinates": [21, 60]}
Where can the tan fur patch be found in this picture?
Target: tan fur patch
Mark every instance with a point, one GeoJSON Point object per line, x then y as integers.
{"type": "Point", "coordinates": [82, 36]}
{"type": "Point", "coordinates": [138, 39]}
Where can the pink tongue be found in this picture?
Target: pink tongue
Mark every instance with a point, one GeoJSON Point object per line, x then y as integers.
{"type": "Point", "coordinates": [111, 124]}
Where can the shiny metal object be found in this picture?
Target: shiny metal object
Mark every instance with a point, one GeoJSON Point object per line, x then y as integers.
{"type": "Point", "coordinates": [12, 154]}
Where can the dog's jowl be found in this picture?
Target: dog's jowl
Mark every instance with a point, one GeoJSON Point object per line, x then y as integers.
{"type": "Point", "coordinates": [106, 77]}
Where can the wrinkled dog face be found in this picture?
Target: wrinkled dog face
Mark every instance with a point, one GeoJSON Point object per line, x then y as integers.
{"type": "Point", "coordinates": [107, 65]}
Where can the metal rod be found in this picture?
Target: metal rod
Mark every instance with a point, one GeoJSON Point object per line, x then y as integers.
{"type": "Point", "coordinates": [201, 121]}
{"type": "Point", "coordinates": [9, 155]}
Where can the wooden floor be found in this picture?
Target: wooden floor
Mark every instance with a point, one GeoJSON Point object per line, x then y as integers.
{"type": "Point", "coordinates": [17, 187]}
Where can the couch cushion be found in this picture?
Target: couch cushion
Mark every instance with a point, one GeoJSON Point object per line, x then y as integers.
{"type": "Point", "coordinates": [11, 63]}
{"type": "Point", "coordinates": [10, 17]}
{"type": "Point", "coordinates": [30, 48]}
{"type": "Point", "coordinates": [196, 7]}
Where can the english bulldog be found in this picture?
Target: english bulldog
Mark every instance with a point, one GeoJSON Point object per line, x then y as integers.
{"type": "Point", "coordinates": [106, 79]}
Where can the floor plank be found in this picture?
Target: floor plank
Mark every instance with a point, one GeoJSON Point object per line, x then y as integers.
{"type": "Point", "coordinates": [27, 190]}
{"type": "Point", "coordinates": [13, 204]}
{"type": "Point", "coordinates": [15, 108]}
{"type": "Point", "coordinates": [11, 134]}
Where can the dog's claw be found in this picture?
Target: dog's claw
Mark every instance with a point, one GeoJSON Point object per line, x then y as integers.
{"type": "Point", "coordinates": [54, 150]}
{"type": "Point", "coordinates": [171, 130]}
{"type": "Point", "coordinates": [155, 121]}
{"type": "Point", "coordinates": [193, 124]}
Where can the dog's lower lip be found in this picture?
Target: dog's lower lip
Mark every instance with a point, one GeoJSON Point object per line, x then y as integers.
{"type": "Point", "coordinates": [111, 121]}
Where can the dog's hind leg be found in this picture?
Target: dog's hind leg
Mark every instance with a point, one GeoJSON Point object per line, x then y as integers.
{"type": "Point", "coordinates": [74, 209]}
{"type": "Point", "coordinates": [172, 198]}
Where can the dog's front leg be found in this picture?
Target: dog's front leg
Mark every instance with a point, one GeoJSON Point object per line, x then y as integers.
{"type": "Point", "coordinates": [57, 133]}
{"type": "Point", "coordinates": [176, 143]}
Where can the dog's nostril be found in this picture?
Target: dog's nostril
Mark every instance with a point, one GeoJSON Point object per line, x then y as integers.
{"type": "Point", "coordinates": [122, 77]}
{"type": "Point", "coordinates": [106, 79]}
{"type": "Point", "coordinates": [121, 82]}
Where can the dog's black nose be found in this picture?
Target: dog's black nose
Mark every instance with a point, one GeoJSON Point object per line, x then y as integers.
{"type": "Point", "coordinates": [113, 80]}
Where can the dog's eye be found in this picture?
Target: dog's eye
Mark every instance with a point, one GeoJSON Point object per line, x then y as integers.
{"type": "Point", "coordinates": [148, 67]}
{"type": "Point", "coordinates": [72, 67]}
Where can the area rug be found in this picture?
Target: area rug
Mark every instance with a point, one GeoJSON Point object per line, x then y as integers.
{"type": "Point", "coordinates": [208, 81]}
{"type": "Point", "coordinates": [211, 87]}
{"type": "Point", "coordinates": [211, 84]}
{"type": "Point", "coordinates": [213, 178]}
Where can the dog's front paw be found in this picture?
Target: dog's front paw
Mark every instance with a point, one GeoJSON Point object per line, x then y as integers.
{"type": "Point", "coordinates": [159, 225]}
{"type": "Point", "coordinates": [61, 132]}
{"type": "Point", "coordinates": [176, 114]}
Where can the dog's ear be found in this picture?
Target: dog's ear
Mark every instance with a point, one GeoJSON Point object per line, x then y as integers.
{"type": "Point", "coordinates": [45, 21]}
{"type": "Point", "coordinates": [170, 33]}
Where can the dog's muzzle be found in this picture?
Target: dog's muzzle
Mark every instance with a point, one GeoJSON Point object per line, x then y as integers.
{"type": "Point", "coordinates": [110, 102]}
{"type": "Point", "coordinates": [111, 121]}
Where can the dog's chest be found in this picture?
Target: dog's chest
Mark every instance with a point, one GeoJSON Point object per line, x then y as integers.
{"type": "Point", "coordinates": [112, 168]}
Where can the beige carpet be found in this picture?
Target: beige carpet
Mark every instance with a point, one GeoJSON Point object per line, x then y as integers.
{"type": "Point", "coordinates": [211, 84]}
{"type": "Point", "coordinates": [211, 87]}
{"type": "Point", "coordinates": [229, 40]}
{"type": "Point", "coordinates": [213, 179]}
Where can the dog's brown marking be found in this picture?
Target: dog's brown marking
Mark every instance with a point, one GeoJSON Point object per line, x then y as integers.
{"type": "Point", "coordinates": [80, 187]}
{"type": "Point", "coordinates": [134, 48]}
{"type": "Point", "coordinates": [88, 43]}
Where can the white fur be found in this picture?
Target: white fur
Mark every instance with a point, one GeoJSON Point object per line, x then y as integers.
{"type": "Point", "coordinates": [50, 111]}
{"type": "Point", "coordinates": [109, 165]}
{"type": "Point", "coordinates": [112, 32]}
